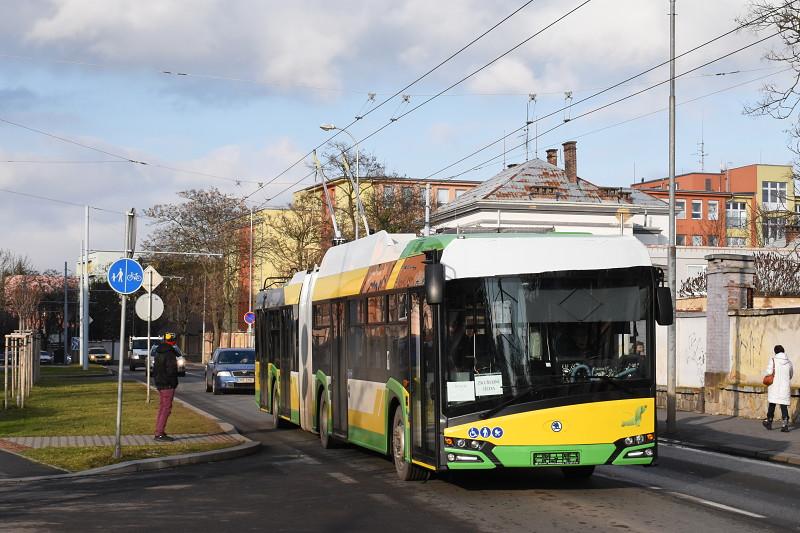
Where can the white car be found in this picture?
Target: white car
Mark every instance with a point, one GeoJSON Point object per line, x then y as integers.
{"type": "Point", "coordinates": [181, 360]}
{"type": "Point", "coordinates": [45, 358]}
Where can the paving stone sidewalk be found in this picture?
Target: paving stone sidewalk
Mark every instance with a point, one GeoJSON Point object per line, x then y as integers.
{"type": "Point", "coordinates": [733, 435]}
{"type": "Point", "coordinates": [16, 444]}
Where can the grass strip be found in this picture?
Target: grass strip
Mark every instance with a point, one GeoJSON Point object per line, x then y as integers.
{"type": "Point", "coordinates": [83, 458]}
{"type": "Point", "coordinates": [61, 405]}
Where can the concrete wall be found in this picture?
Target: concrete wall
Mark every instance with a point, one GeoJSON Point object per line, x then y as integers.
{"type": "Point", "coordinates": [754, 333]}
{"type": "Point", "coordinates": [690, 350]}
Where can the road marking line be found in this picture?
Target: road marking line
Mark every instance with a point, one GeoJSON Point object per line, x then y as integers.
{"type": "Point", "coordinates": [383, 498]}
{"type": "Point", "coordinates": [169, 487]}
{"type": "Point", "coordinates": [716, 505]}
{"type": "Point", "coordinates": [344, 478]}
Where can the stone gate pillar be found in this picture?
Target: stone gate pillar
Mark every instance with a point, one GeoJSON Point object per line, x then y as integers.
{"type": "Point", "coordinates": [729, 284]}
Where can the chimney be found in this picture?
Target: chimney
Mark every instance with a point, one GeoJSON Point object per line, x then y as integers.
{"type": "Point", "coordinates": [552, 156]}
{"type": "Point", "coordinates": [570, 161]}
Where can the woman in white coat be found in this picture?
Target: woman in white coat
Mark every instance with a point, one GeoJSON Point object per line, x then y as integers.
{"type": "Point", "coordinates": [780, 391]}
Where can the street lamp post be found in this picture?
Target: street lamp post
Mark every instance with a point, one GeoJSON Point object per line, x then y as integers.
{"type": "Point", "coordinates": [250, 285]}
{"type": "Point", "coordinates": [329, 127]}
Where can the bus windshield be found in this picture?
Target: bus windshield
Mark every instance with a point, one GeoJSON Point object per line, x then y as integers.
{"type": "Point", "coordinates": [546, 337]}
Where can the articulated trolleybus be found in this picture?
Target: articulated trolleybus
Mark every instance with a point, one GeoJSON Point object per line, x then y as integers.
{"type": "Point", "coordinates": [476, 351]}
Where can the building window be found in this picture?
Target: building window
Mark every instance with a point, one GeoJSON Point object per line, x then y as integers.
{"type": "Point", "coordinates": [713, 210]}
{"type": "Point", "coordinates": [408, 194]}
{"type": "Point", "coordinates": [772, 229]}
{"type": "Point", "coordinates": [680, 208]}
{"type": "Point", "coordinates": [442, 196]}
{"type": "Point", "coordinates": [773, 194]}
{"type": "Point", "coordinates": [737, 242]}
{"type": "Point", "coordinates": [708, 184]}
{"type": "Point", "coordinates": [680, 240]}
{"type": "Point", "coordinates": [697, 240]}
{"type": "Point", "coordinates": [713, 240]}
{"type": "Point", "coordinates": [388, 193]}
{"type": "Point", "coordinates": [697, 209]}
{"type": "Point", "coordinates": [736, 215]}
{"type": "Point", "coordinates": [459, 192]}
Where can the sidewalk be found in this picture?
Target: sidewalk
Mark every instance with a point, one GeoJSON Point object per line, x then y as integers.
{"type": "Point", "coordinates": [733, 435]}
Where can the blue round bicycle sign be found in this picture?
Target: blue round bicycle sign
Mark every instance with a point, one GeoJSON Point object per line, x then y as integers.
{"type": "Point", "coordinates": [125, 276]}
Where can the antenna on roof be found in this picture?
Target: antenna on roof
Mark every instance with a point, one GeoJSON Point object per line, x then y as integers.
{"type": "Point", "coordinates": [531, 98]}
{"type": "Point", "coordinates": [701, 152]}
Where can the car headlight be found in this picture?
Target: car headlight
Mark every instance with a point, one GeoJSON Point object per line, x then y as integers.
{"type": "Point", "coordinates": [224, 374]}
{"type": "Point", "coordinates": [181, 362]}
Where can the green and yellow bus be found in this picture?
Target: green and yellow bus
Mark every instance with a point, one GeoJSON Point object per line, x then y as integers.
{"type": "Point", "coordinates": [475, 351]}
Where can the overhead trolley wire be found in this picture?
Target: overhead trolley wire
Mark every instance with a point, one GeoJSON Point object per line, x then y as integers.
{"type": "Point", "coordinates": [396, 93]}
{"type": "Point", "coordinates": [604, 106]}
{"type": "Point", "coordinates": [395, 119]}
{"type": "Point", "coordinates": [611, 87]}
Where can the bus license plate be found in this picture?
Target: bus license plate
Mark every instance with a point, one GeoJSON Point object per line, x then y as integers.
{"type": "Point", "coordinates": [247, 380]}
{"type": "Point", "coordinates": [556, 458]}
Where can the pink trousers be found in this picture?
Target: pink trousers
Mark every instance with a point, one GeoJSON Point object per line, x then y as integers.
{"type": "Point", "coordinates": [165, 397]}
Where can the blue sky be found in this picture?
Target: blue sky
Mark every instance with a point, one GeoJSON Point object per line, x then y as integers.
{"type": "Point", "coordinates": [264, 75]}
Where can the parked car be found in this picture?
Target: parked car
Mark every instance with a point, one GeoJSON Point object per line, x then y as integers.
{"type": "Point", "coordinates": [181, 360]}
{"type": "Point", "coordinates": [231, 369]}
{"type": "Point", "coordinates": [45, 358]}
{"type": "Point", "coordinates": [99, 355]}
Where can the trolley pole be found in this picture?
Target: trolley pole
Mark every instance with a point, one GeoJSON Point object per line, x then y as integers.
{"type": "Point", "coordinates": [671, 279]}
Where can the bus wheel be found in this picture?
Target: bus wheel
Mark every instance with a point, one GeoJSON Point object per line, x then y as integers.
{"type": "Point", "coordinates": [405, 471]}
{"type": "Point", "coordinates": [577, 472]}
{"type": "Point", "coordinates": [276, 398]}
{"type": "Point", "coordinates": [322, 423]}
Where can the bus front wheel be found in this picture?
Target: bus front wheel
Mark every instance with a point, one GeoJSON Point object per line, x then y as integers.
{"type": "Point", "coordinates": [405, 470]}
{"type": "Point", "coordinates": [276, 399]}
{"type": "Point", "coordinates": [577, 472]}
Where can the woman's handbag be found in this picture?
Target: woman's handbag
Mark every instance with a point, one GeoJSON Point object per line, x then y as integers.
{"type": "Point", "coordinates": [769, 378]}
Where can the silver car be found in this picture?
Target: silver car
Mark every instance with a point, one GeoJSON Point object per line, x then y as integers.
{"type": "Point", "coordinates": [231, 369]}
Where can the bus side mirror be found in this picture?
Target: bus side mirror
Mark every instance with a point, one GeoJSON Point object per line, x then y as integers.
{"type": "Point", "coordinates": [434, 283]}
{"type": "Point", "coordinates": [664, 313]}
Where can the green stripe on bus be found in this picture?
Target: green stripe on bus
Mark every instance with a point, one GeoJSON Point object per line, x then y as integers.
{"type": "Point", "coordinates": [522, 456]}
{"type": "Point", "coordinates": [644, 460]}
{"type": "Point", "coordinates": [367, 439]}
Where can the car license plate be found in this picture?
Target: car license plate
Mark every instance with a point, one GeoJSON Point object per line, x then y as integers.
{"type": "Point", "coordinates": [556, 458]}
{"type": "Point", "coordinates": [247, 380]}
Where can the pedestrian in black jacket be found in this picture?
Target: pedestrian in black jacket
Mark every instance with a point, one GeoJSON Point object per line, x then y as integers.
{"type": "Point", "coordinates": [165, 374]}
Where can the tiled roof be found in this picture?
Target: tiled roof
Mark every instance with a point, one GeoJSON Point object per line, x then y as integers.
{"type": "Point", "coordinates": [539, 181]}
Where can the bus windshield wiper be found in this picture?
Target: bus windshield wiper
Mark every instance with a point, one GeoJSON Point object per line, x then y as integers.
{"type": "Point", "coordinates": [514, 399]}
{"type": "Point", "coordinates": [614, 382]}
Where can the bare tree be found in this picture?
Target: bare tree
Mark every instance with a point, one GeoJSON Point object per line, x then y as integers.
{"type": "Point", "coordinates": [292, 237]}
{"type": "Point", "coordinates": [780, 101]}
{"type": "Point", "coordinates": [206, 220]}
{"type": "Point", "coordinates": [24, 293]}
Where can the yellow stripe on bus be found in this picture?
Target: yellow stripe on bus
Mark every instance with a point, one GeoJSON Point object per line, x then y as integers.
{"type": "Point", "coordinates": [291, 294]}
{"type": "Point", "coordinates": [423, 465]}
{"type": "Point", "coordinates": [338, 285]}
{"type": "Point", "coordinates": [398, 266]}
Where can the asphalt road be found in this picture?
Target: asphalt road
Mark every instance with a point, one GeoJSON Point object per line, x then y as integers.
{"type": "Point", "coordinates": [292, 484]}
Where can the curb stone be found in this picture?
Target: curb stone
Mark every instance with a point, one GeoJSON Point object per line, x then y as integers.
{"type": "Point", "coordinates": [773, 456]}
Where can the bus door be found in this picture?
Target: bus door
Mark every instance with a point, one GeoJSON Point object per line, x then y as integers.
{"type": "Point", "coordinates": [339, 371]}
{"type": "Point", "coordinates": [423, 382]}
{"type": "Point", "coordinates": [288, 359]}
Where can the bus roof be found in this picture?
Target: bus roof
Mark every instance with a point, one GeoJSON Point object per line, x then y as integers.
{"type": "Point", "coordinates": [385, 261]}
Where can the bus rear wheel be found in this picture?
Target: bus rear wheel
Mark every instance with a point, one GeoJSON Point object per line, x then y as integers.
{"type": "Point", "coordinates": [322, 423]}
{"type": "Point", "coordinates": [577, 472]}
{"type": "Point", "coordinates": [405, 470]}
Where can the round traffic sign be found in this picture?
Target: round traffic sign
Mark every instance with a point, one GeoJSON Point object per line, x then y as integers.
{"type": "Point", "coordinates": [125, 276]}
{"type": "Point", "coordinates": [142, 306]}
{"type": "Point", "coordinates": [249, 317]}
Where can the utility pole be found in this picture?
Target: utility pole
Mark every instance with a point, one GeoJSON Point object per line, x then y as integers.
{"type": "Point", "coordinates": [130, 243]}
{"type": "Point", "coordinates": [250, 284]}
{"type": "Point", "coordinates": [671, 278]}
{"type": "Point", "coordinates": [149, 321]}
{"type": "Point", "coordinates": [427, 230]}
{"type": "Point", "coordinates": [203, 334]}
{"type": "Point", "coordinates": [85, 291]}
{"type": "Point", "coordinates": [66, 314]}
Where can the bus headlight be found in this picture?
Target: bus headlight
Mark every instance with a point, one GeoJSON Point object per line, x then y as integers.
{"type": "Point", "coordinates": [461, 443]}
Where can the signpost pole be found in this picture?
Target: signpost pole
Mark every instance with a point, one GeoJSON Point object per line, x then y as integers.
{"type": "Point", "coordinates": [149, 320]}
{"type": "Point", "coordinates": [129, 245]}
